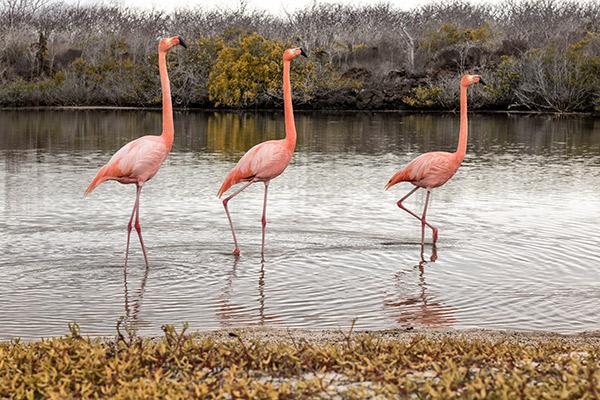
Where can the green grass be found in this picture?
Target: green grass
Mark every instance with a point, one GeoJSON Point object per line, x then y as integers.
{"type": "Point", "coordinates": [241, 365]}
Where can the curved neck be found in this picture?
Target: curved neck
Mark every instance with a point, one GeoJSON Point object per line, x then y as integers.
{"type": "Point", "coordinates": [290, 126]}
{"type": "Point", "coordinates": [168, 129]}
{"type": "Point", "coordinates": [462, 138]}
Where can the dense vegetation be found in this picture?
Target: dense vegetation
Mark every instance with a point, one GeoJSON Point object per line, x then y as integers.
{"type": "Point", "coordinates": [182, 366]}
{"type": "Point", "coordinates": [535, 54]}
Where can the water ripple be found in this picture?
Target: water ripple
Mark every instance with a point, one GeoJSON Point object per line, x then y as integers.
{"type": "Point", "coordinates": [518, 226]}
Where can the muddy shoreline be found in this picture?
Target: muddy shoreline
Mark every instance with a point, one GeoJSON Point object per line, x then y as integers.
{"type": "Point", "coordinates": [332, 336]}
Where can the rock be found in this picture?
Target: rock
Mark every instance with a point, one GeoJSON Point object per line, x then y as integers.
{"type": "Point", "coordinates": [359, 74]}
{"type": "Point", "coordinates": [370, 99]}
{"type": "Point", "coordinates": [342, 98]}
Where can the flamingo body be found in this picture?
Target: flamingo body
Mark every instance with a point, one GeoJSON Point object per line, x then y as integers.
{"type": "Point", "coordinates": [428, 171]}
{"type": "Point", "coordinates": [262, 162]}
{"type": "Point", "coordinates": [136, 162]}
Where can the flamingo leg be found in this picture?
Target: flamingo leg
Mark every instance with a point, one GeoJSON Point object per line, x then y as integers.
{"type": "Point", "coordinates": [236, 250]}
{"type": "Point", "coordinates": [129, 226]}
{"type": "Point", "coordinates": [138, 227]}
{"type": "Point", "coordinates": [264, 220]}
{"type": "Point", "coordinates": [433, 228]}
{"type": "Point", "coordinates": [432, 258]}
{"type": "Point", "coordinates": [423, 218]}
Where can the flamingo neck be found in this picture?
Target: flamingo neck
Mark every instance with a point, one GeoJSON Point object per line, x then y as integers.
{"type": "Point", "coordinates": [290, 126]}
{"type": "Point", "coordinates": [462, 138]}
{"type": "Point", "coordinates": [167, 107]}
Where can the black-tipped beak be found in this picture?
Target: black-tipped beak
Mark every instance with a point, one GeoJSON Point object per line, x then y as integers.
{"type": "Point", "coordinates": [302, 52]}
{"type": "Point", "coordinates": [482, 81]}
{"type": "Point", "coordinates": [182, 42]}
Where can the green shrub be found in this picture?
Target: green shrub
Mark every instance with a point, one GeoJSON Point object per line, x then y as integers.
{"type": "Point", "coordinates": [249, 72]}
{"type": "Point", "coordinates": [423, 97]}
{"type": "Point", "coordinates": [246, 72]}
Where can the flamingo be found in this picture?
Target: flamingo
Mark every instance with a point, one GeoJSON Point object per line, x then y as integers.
{"type": "Point", "coordinates": [433, 169]}
{"type": "Point", "coordinates": [139, 160]}
{"type": "Point", "coordinates": [266, 160]}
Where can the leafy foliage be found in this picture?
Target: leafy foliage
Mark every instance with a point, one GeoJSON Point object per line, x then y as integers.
{"type": "Point", "coordinates": [245, 71]}
{"type": "Point", "coordinates": [423, 97]}
{"type": "Point", "coordinates": [249, 71]}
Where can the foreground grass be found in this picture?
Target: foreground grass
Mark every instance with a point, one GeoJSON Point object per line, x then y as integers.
{"type": "Point", "coordinates": [267, 364]}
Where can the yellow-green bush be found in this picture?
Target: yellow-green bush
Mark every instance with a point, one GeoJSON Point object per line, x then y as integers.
{"type": "Point", "coordinates": [249, 71]}
{"type": "Point", "coordinates": [423, 97]}
{"type": "Point", "coordinates": [250, 68]}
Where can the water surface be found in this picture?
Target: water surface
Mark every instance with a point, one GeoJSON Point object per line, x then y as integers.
{"type": "Point", "coordinates": [519, 225]}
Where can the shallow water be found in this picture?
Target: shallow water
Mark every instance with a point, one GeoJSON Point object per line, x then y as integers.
{"type": "Point", "coordinates": [519, 225]}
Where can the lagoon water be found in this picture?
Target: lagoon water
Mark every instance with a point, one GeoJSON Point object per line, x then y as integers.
{"type": "Point", "coordinates": [519, 225]}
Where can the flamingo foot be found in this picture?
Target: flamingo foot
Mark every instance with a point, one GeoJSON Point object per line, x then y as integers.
{"type": "Point", "coordinates": [433, 257]}
{"type": "Point", "coordinates": [236, 251]}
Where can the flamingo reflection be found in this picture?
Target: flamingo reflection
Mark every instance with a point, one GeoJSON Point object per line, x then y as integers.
{"type": "Point", "coordinates": [131, 319]}
{"type": "Point", "coordinates": [418, 307]}
{"type": "Point", "coordinates": [231, 313]}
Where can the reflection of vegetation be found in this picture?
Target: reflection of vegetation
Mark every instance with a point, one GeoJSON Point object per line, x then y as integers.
{"type": "Point", "coordinates": [232, 132]}
{"type": "Point", "coordinates": [180, 365]}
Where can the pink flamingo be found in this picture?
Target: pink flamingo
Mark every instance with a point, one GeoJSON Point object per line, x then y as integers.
{"type": "Point", "coordinates": [139, 160]}
{"type": "Point", "coordinates": [266, 160]}
{"type": "Point", "coordinates": [433, 169]}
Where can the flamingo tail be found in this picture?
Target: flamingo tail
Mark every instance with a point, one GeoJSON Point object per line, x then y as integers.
{"type": "Point", "coordinates": [227, 183]}
{"type": "Point", "coordinates": [400, 176]}
{"type": "Point", "coordinates": [101, 176]}
{"type": "Point", "coordinates": [234, 176]}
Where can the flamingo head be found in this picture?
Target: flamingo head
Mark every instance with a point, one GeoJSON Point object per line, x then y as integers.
{"type": "Point", "coordinates": [168, 43]}
{"type": "Point", "coordinates": [468, 80]}
{"type": "Point", "coordinates": [289, 54]}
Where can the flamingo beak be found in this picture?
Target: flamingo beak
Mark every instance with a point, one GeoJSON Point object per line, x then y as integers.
{"type": "Point", "coordinates": [302, 52]}
{"type": "Point", "coordinates": [182, 42]}
{"type": "Point", "coordinates": [482, 81]}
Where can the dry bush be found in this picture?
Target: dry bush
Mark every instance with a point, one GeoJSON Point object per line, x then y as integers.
{"type": "Point", "coordinates": [59, 53]}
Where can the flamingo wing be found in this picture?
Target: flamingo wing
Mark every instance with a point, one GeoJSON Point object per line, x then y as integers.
{"type": "Point", "coordinates": [136, 161]}
{"type": "Point", "coordinates": [264, 161]}
{"type": "Point", "coordinates": [427, 170]}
